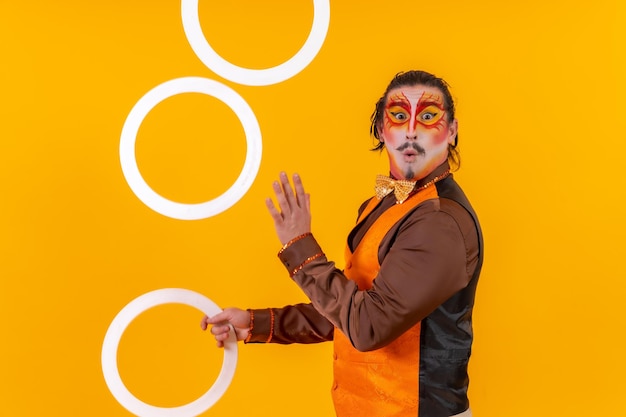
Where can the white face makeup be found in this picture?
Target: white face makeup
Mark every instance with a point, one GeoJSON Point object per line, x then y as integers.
{"type": "Point", "coordinates": [416, 131]}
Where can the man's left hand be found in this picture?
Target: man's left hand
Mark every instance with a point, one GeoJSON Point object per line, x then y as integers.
{"type": "Point", "coordinates": [292, 218]}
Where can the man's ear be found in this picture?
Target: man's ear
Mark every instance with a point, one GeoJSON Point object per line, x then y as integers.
{"type": "Point", "coordinates": [379, 128]}
{"type": "Point", "coordinates": [453, 130]}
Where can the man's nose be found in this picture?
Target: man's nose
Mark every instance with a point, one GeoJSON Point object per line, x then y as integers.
{"type": "Point", "coordinates": [411, 133]}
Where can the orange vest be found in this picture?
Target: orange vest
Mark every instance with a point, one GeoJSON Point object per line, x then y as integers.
{"type": "Point", "coordinates": [383, 382]}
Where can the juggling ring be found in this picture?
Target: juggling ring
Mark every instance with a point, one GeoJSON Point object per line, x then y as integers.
{"type": "Point", "coordinates": [119, 325]}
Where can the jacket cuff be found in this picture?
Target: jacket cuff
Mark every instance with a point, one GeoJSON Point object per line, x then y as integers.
{"type": "Point", "coordinates": [300, 251]}
{"type": "Point", "coordinates": [261, 326]}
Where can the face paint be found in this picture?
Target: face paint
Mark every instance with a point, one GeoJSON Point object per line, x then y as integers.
{"type": "Point", "coordinates": [415, 131]}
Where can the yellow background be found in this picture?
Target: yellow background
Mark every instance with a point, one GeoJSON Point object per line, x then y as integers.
{"type": "Point", "coordinates": [539, 88]}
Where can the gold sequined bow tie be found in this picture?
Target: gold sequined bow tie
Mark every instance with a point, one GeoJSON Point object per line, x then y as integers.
{"type": "Point", "coordinates": [400, 188]}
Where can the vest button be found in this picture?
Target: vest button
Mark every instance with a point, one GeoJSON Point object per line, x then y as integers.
{"type": "Point", "coordinates": [335, 356]}
{"type": "Point", "coordinates": [335, 386]}
{"type": "Point", "coordinates": [348, 265]}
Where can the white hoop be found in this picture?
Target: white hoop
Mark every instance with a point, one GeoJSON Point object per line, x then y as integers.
{"type": "Point", "coordinates": [119, 325]}
{"type": "Point", "coordinates": [129, 161]}
{"type": "Point", "coordinates": [256, 77]}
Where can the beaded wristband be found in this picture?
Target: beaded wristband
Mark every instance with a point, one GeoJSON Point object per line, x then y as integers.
{"type": "Point", "coordinates": [294, 240]}
{"type": "Point", "coordinates": [247, 339]}
{"type": "Point", "coordinates": [306, 261]}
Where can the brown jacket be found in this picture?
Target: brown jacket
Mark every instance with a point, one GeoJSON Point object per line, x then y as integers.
{"type": "Point", "coordinates": [429, 267]}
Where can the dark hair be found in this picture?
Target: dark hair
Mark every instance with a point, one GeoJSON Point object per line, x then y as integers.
{"type": "Point", "coordinates": [412, 78]}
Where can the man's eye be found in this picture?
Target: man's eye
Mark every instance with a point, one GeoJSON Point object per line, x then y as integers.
{"type": "Point", "coordinates": [399, 115]}
{"type": "Point", "coordinates": [428, 116]}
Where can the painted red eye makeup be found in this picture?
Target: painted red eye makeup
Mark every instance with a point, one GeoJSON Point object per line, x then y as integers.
{"type": "Point", "coordinates": [397, 114]}
{"type": "Point", "coordinates": [430, 115]}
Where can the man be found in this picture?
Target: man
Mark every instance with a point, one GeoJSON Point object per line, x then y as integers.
{"type": "Point", "coordinates": [400, 313]}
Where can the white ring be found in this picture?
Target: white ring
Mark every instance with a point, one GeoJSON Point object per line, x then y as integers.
{"type": "Point", "coordinates": [129, 135]}
{"type": "Point", "coordinates": [256, 77]}
{"type": "Point", "coordinates": [119, 325]}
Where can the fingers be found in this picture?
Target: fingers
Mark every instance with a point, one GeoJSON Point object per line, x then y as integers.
{"type": "Point", "coordinates": [297, 195]}
{"type": "Point", "coordinates": [292, 211]}
{"type": "Point", "coordinates": [221, 332]}
{"type": "Point", "coordinates": [220, 335]}
{"type": "Point", "coordinates": [280, 190]}
{"type": "Point", "coordinates": [288, 199]}
{"type": "Point", "coordinates": [231, 320]}
{"type": "Point", "coordinates": [204, 322]}
{"type": "Point", "coordinates": [217, 329]}
{"type": "Point", "coordinates": [285, 198]}
{"type": "Point", "coordinates": [219, 321]}
{"type": "Point", "coordinates": [300, 194]}
{"type": "Point", "coordinates": [220, 317]}
{"type": "Point", "coordinates": [276, 216]}
{"type": "Point", "coordinates": [288, 191]}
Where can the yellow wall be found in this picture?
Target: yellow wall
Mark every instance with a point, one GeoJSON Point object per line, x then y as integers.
{"type": "Point", "coordinates": [539, 88]}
